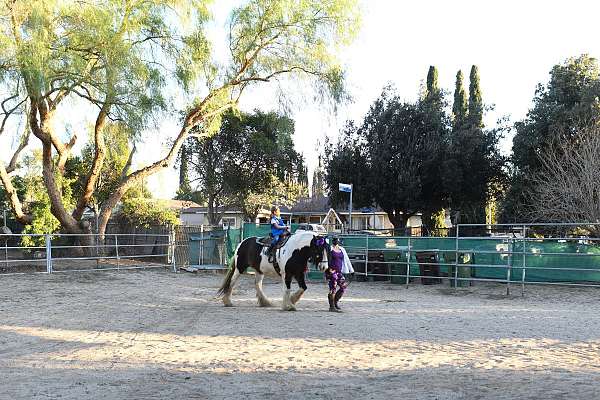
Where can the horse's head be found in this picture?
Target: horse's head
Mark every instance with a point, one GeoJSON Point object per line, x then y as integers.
{"type": "Point", "coordinates": [318, 253]}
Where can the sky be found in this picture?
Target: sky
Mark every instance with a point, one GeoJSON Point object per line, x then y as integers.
{"type": "Point", "coordinates": [514, 44]}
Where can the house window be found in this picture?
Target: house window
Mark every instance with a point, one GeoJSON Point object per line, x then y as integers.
{"type": "Point", "coordinates": [228, 222]}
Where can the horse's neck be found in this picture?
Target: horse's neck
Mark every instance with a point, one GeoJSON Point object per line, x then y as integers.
{"type": "Point", "coordinates": [301, 240]}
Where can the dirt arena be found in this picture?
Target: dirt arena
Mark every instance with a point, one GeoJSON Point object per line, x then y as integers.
{"type": "Point", "coordinates": [160, 335]}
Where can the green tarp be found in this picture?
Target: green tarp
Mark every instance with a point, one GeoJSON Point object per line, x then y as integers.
{"type": "Point", "coordinates": [488, 256]}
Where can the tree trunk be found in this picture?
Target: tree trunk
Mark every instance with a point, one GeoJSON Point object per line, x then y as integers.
{"type": "Point", "coordinates": [41, 129]}
{"type": "Point", "coordinates": [137, 177]}
{"type": "Point", "coordinates": [92, 178]}
{"type": "Point", "coordinates": [194, 118]}
{"type": "Point", "coordinates": [399, 220]}
{"type": "Point", "coordinates": [15, 203]}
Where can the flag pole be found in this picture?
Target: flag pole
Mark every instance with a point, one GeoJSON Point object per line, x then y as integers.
{"type": "Point", "coordinates": [351, 190]}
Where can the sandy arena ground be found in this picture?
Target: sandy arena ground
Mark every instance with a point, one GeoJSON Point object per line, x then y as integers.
{"type": "Point", "coordinates": [159, 335]}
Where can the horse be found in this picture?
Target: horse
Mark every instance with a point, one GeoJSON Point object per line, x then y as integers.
{"type": "Point", "coordinates": [300, 249]}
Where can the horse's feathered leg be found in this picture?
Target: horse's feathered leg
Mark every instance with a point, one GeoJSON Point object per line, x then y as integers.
{"type": "Point", "coordinates": [227, 281]}
{"type": "Point", "coordinates": [227, 297]}
{"type": "Point", "coordinates": [263, 301]}
{"type": "Point", "coordinates": [227, 287]}
{"type": "Point", "coordinates": [296, 296]}
{"type": "Point", "coordinates": [287, 304]}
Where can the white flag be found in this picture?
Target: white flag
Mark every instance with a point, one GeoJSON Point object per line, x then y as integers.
{"type": "Point", "coordinates": [345, 187]}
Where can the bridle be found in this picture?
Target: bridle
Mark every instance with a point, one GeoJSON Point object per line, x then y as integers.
{"type": "Point", "coordinates": [317, 251]}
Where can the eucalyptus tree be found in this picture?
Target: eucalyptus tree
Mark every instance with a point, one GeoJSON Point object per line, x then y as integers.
{"type": "Point", "coordinates": [124, 56]}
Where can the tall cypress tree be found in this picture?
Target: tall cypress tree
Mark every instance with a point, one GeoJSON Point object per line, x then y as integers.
{"type": "Point", "coordinates": [434, 130]}
{"type": "Point", "coordinates": [184, 192]}
{"type": "Point", "coordinates": [318, 185]}
{"type": "Point", "coordinates": [459, 108]}
{"type": "Point", "coordinates": [475, 101]}
{"type": "Point", "coordinates": [433, 89]}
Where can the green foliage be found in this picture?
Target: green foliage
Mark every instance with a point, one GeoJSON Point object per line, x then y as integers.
{"type": "Point", "coordinates": [347, 162]}
{"type": "Point", "coordinates": [249, 163]}
{"type": "Point", "coordinates": [318, 184]}
{"type": "Point", "coordinates": [473, 165]}
{"type": "Point", "coordinates": [475, 117]}
{"type": "Point", "coordinates": [147, 212]}
{"type": "Point", "coordinates": [432, 82]}
{"type": "Point", "coordinates": [38, 201]}
{"type": "Point", "coordinates": [459, 107]}
{"type": "Point", "coordinates": [405, 158]}
{"type": "Point", "coordinates": [117, 139]}
{"type": "Point", "coordinates": [126, 57]}
{"type": "Point", "coordinates": [280, 193]}
{"type": "Point", "coordinates": [393, 158]}
{"type": "Point", "coordinates": [20, 185]}
{"type": "Point", "coordinates": [562, 109]}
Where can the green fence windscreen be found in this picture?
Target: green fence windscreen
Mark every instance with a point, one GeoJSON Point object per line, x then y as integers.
{"type": "Point", "coordinates": [545, 260]}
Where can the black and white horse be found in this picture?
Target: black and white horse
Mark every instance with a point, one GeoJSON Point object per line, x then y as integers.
{"type": "Point", "coordinates": [293, 257]}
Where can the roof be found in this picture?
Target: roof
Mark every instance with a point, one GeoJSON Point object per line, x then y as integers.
{"type": "Point", "coordinates": [179, 204]}
{"type": "Point", "coordinates": [203, 210]}
{"type": "Point", "coordinates": [308, 205]}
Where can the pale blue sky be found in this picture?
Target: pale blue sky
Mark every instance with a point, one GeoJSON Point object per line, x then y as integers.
{"type": "Point", "coordinates": [514, 43]}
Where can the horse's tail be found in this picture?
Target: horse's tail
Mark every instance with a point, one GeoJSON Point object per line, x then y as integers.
{"type": "Point", "coordinates": [227, 281]}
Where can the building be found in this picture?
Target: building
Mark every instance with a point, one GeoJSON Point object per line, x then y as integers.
{"type": "Point", "coordinates": [315, 210]}
{"type": "Point", "coordinates": [198, 215]}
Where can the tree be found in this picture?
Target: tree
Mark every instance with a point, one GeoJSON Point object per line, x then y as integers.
{"type": "Point", "coordinates": [251, 154]}
{"type": "Point", "coordinates": [147, 212]}
{"type": "Point", "coordinates": [391, 158]}
{"type": "Point", "coordinates": [473, 165]}
{"type": "Point", "coordinates": [459, 107]}
{"type": "Point", "coordinates": [404, 142]}
{"type": "Point", "coordinates": [434, 105]}
{"type": "Point", "coordinates": [476, 108]}
{"type": "Point", "coordinates": [118, 56]}
{"type": "Point", "coordinates": [318, 184]}
{"type": "Point", "coordinates": [347, 161]}
{"type": "Point", "coordinates": [566, 187]}
{"type": "Point", "coordinates": [433, 89]}
{"type": "Point", "coordinates": [562, 109]}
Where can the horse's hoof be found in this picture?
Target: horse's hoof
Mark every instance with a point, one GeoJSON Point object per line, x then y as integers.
{"type": "Point", "coordinates": [228, 305]}
{"type": "Point", "coordinates": [290, 308]}
{"type": "Point", "coordinates": [265, 304]}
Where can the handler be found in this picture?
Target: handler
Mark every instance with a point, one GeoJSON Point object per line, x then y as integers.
{"type": "Point", "coordinates": [339, 264]}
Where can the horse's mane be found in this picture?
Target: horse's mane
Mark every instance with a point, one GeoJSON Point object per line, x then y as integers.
{"type": "Point", "coordinates": [303, 234]}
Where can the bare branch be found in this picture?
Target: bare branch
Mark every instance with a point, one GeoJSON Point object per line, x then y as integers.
{"type": "Point", "coordinates": [12, 165]}
{"type": "Point", "coordinates": [567, 189]}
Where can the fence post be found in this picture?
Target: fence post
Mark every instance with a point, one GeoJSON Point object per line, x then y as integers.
{"type": "Point", "coordinates": [508, 269]}
{"type": "Point", "coordinates": [117, 251]}
{"type": "Point", "coordinates": [408, 264]}
{"type": "Point", "coordinates": [524, 263]}
{"type": "Point", "coordinates": [48, 254]}
{"type": "Point", "coordinates": [456, 259]}
{"type": "Point", "coordinates": [173, 246]}
{"type": "Point", "coordinates": [367, 258]}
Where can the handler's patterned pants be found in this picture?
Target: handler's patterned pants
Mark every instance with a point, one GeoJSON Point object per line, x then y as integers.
{"type": "Point", "coordinates": [337, 279]}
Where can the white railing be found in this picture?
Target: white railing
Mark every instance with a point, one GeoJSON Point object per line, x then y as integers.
{"type": "Point", "coordinates": [512, 252]}
{"type": "Point", "coordinates": [59, 252]}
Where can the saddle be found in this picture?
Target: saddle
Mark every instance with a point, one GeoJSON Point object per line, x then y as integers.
{"type": "Point", "coordinates": [266, 243]}
{"type": "Point", "coordinates": [267, 240]}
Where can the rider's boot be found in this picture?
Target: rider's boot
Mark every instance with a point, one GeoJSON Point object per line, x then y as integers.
{"type": "Point", "coordinates": [331, 303]}
{"type": "Point", "coordinates": [270, 253]}
{"type": "Point", "coordinates": [337, 298]}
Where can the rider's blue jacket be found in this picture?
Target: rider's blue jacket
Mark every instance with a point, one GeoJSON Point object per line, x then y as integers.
{"type": "Point", "coordinates": [276, 221]}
